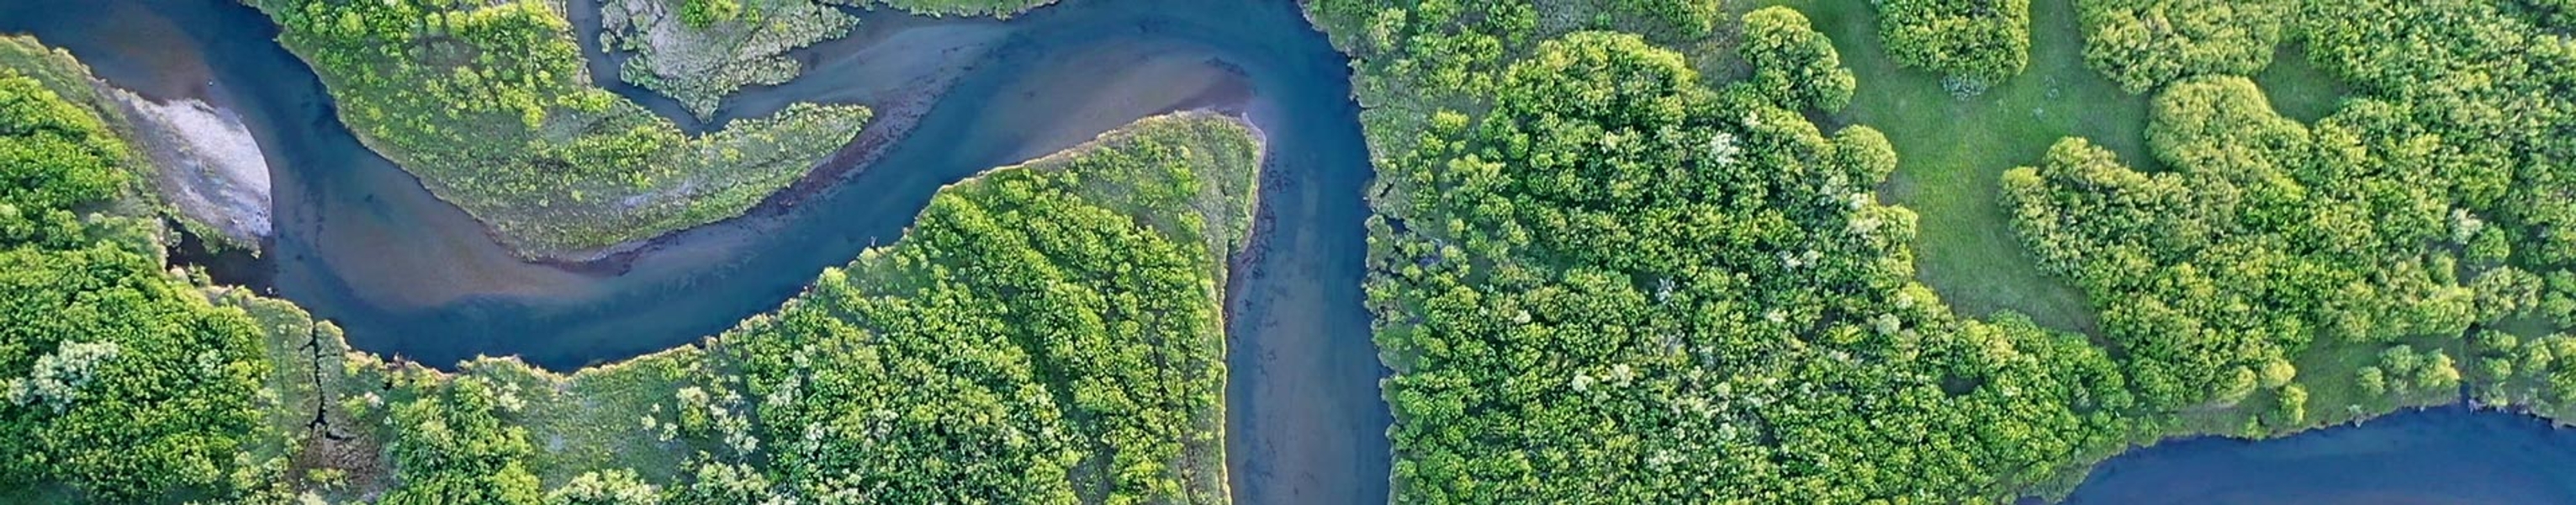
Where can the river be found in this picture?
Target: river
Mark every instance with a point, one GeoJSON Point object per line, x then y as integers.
{"type": "Point", "coordinates": [2448, 454]}
{"type": "Point", "coordinates": [359, 242]}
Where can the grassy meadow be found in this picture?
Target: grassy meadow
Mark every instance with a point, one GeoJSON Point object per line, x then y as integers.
{"type": "Point", "coordinates": [1952, 150]}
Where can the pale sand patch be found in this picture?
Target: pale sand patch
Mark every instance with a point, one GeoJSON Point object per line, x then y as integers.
{"type": "Point", "coordinates": [210, 167]}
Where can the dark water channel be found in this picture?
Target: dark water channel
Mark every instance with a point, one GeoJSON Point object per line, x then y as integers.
{"type": "Point", "coordinates": [2444, 455]}
{"type": "Point", "coordinates": [359, 242]}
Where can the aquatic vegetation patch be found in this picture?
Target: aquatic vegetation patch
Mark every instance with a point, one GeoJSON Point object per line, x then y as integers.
{"type": "Point", "coordinates": [490, 106]}
{"type": "Point", "coordinates": [699, 60]}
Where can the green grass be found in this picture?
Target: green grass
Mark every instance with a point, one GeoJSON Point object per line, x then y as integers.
{"type": "Point", "coordinates": [592, 420]}
{"type": "Point", "coordinates": [2298, 89]}
{"type": "Point", "coordinates": [493, 112]}
{"type": "Point", "coordinates": [2527, 327]}
{"type": "Point", "coordinates": [1952, 151]}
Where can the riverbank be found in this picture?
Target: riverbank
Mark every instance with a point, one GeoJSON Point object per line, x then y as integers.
{"type": "Point", "coordinates": [700, 57]}
{"type": "Point", "coordinates": [2447, 454]}
{"type": "Point", "coordinates": [577, 168]}
{"type": "Point", "coordinates": [361, 244]}
{"type": "Point", "coordinates": [197, 162]}
{"type": "Point", "coordinates": [584, 422]}
{"type": "Point", "coordinates": [1151, 80]}
{"type": "Point", "coordinates": [210, 169]}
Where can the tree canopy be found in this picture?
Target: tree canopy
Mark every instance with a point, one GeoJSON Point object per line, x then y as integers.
{"type": "Point", "coordinates": [1974, 42]}
{"type": "Point", "coordinates": [121, 385]}
{"type": "Point", "coordinates": [2144, 43]}
{"type": "Point", "coordinates": [1793, 64]}
{"type": "Point", "coordinates": [1614, 281]}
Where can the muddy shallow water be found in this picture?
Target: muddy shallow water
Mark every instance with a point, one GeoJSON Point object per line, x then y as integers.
{"type": "Point", "coordinates": [359, 242]}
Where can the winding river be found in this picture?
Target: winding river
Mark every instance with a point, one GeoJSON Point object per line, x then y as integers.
{"type": "Point", "coordinates": [359, 242]}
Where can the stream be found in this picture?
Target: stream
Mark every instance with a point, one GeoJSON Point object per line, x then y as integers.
{"type": "Point", "coordinates": [359, 242]}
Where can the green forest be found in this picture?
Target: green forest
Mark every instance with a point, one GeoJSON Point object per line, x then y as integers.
{"type": "Point", "coordinates": [1626, 283]}
{"type": "Point", "coordinates": [1619, 251]}
{"type": "Point", "coordinates": [122, 384]}
{"type": "Point", "coordinates": [1618, 263]}
{"type": "Point", "coordinates": [1045, 333]}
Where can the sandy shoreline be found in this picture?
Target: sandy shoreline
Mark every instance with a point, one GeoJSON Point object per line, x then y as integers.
{"type": "Point", "coordinates": [209, 166]}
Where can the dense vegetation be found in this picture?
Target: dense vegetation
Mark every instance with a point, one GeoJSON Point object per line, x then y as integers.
{"type": "Point", "coordinates": [490, 105]}
{"type": "Point", "coordinates": [2481, 101]}
{"type": "Point", "coordinates": [2538, 372]}
{"type": "Point", "coordinates": [1045, 333]}
{"type": "Point", "coordinates": [2152, 42]}
{"type": "Point", "coordinates": [1570, 220]}
{"type": "Point", "coordinates": [1608, 267]}
{"type": "Point", "coordinates": [2144, 43]}
{"type": "Point", "coordinates": [1615, 282]}
{"type": "Point", "coordinates": [1792, 64]}
{"type": "Point", "coordinates": [1972, 42]}
{"type": "Point", "coordinates": [120, 384]}
{"type": "Point", "coordinates": [2428, 207]}
{"type": "Point", "coordinates": [1040, 335]}
{"type": "Point", "coordinates": [2249, 252]}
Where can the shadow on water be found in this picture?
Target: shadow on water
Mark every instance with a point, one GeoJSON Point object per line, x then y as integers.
{"type": "Point", "coordinates": [225, 264]}
{"type": "Point", "coordinates": [359, 242]}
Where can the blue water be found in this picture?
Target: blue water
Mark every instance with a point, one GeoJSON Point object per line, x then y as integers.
{"type": "Point", "coordinates": [2450, 454]}
{"type": "Point", "coordinates": [362, 244]}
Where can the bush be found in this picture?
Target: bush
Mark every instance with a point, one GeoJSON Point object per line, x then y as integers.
{"type": "Point", "coordinates": [1985, 40]}
{"type": "Point", "coordinates": [2141, 44]}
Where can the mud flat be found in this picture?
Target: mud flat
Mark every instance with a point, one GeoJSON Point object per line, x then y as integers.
{"type": "Point", "coordinates": [210, 167]}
